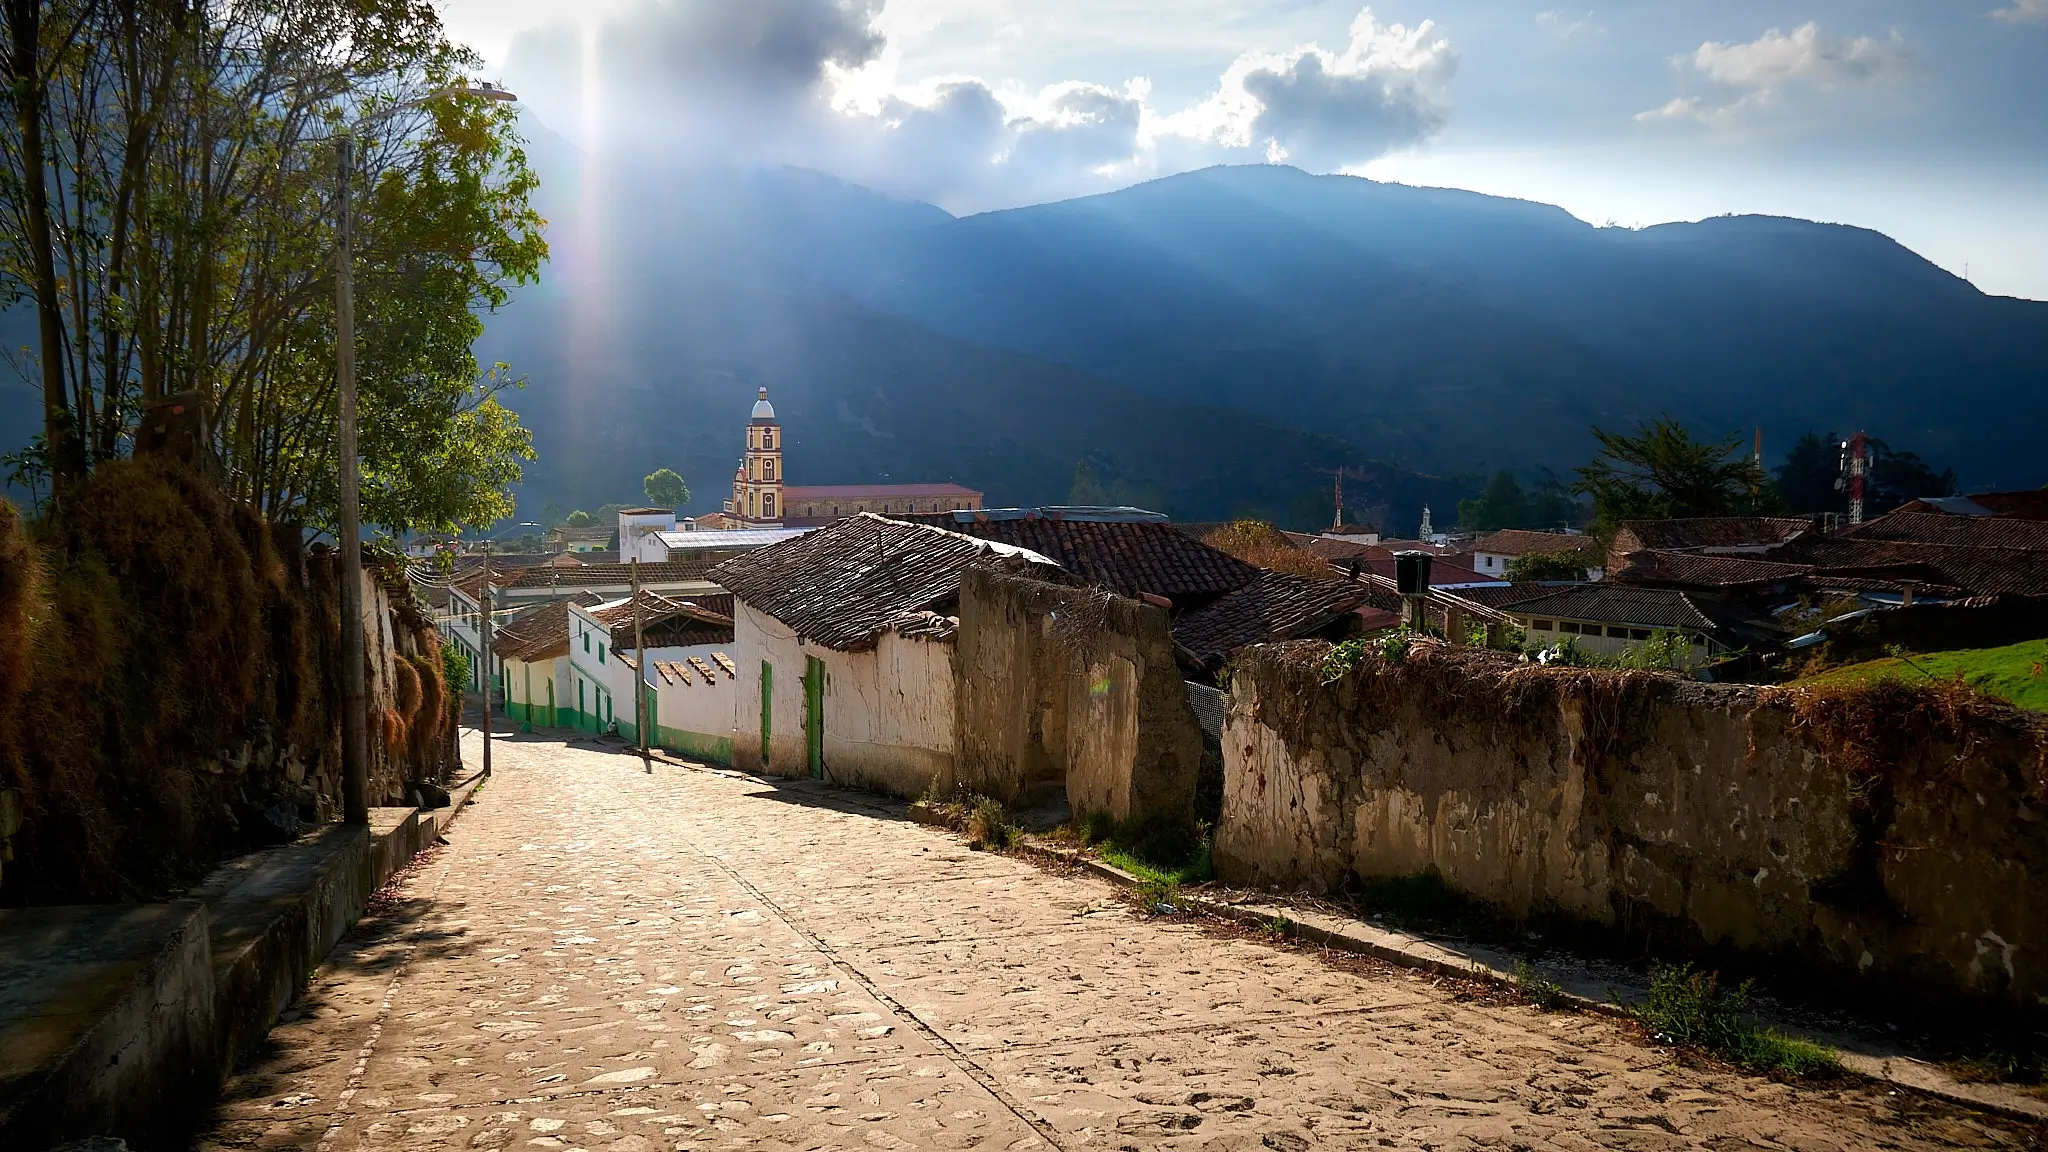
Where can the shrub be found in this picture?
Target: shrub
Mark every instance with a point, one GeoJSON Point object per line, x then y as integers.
{"type": "Point", "coordinates": [988, 825]}
{"type": "Point", "coordinates": [1688, 1009]}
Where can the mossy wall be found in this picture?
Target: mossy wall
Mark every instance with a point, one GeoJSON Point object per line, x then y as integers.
{"type": "Point", "coordinates": [1888, 837]}
{"type": "Point", "coordinates": [169, 686]}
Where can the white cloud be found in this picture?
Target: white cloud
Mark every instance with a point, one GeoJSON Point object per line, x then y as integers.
{"type": "Point", "coordinates": [2023, 12]}
{"type": "Point", "coordinates": [1326, 109]}
{"type": "Point", "coordinates": [819, 83]}
{"type": "Point", "coordinates": [1754, 73]}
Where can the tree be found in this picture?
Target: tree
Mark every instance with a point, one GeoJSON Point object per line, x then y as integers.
{"type": "Point", "coordinates": [1896, 477]}
{"type": "Point", "coordinates": [1503, 505]}
{"type": "Point", "coordinates": [166, 183]}
{"type": "Point", "coordinates": [1541, 566]}
{"type": "Point", "coordinates": [1806, 480]}
{"type": "Point", "coordinates": [1085, 491]}
{"type": "Point", "coordinates": [1660, 472]}
{"type": "Point", "coordinates": [579, 519]}
{"type": "Point", "coordinates": [1810, 478]}
{"type": "Point", "coordinates": [665, 489]}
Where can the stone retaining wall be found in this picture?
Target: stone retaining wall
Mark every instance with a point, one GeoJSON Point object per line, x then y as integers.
{"type": "Point", "coordinates": [1726, 819]}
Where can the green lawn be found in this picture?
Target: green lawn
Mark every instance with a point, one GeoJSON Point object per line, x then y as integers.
{"type": "Point", "coordinates": [2016, 672]}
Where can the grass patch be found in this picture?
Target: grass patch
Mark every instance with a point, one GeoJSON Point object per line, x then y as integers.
{"type": "Point", "coordinates": [2015, 673]}
{"type": "Point", "coordinates": [1166, 855]}
{"type": "Point", "coordinates": [1689, 1009]}
{"type": "Point", "coordinates": [1278, 928]}
{"type": "Point", "coordinates": [1545, 994]}
{"type": "Point", "coordinates": [988, 826]}
{"type": "Point", "coordinates": [1159, 897]}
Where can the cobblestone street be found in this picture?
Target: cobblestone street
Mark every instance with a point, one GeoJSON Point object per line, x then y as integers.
{"type": "Point", "coordinates": [601, 958]}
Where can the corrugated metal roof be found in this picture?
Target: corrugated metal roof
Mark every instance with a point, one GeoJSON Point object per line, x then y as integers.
{"type": "Point", "coordinates": [716, 538]}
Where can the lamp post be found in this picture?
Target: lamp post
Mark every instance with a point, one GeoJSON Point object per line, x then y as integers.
{"type": "Point", "coordinates": [355, 765]}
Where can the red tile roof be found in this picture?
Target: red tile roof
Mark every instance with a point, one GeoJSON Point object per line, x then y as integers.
{"type": "Point", "coordinates": [1704, 570]}
{"type": "Point", "coordinates": [1979, 571]}
{"type": "Point", "coordinates": [871, 491]}
{"type": "Point", "coordinates": [1274, 606]}
{"type": "Point", "coordinates": [1958, 531]}
{"type": "Point", "coordinates": [845, 585]}
{"type": "Point", "coordinates": [1518, 542]}
{"type": "Point", "coordinates": [1711, 532]}
{"type": "Point", "coordinates": [610, 575]}
{"type": "Point", "coordinates": [540, 632]}
{"type": "Point", "coordinates": [1129, 558]}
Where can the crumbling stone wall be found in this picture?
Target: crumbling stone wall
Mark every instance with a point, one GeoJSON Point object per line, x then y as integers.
{"type": "Point", "coordinates": [169, 687]}
{"type": "Point", "coordinates": [1078, 687]}
{"type": "Point", "coordinates": [1893, 838]}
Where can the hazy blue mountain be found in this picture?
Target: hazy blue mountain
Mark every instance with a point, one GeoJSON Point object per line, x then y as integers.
{"type": "Point", "coordinates": [1456, 330]}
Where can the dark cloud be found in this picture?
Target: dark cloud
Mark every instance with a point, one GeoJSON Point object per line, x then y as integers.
{"type": "Point", "coordinates": [766, 82]}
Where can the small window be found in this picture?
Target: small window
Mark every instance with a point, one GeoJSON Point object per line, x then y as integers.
{"type": "Point", "coordinates": [1639, 633]}
{"type": "Point", "coordinates": [1543, 625]}
{"type": "Point", "coordinates": [1567, 626]}
{"type": "Point", "coordinates": [600, 653]}
{"type": "Point", "coordinates": [768, 506]}
{"type": "Point", "coordinates": [586, 641]}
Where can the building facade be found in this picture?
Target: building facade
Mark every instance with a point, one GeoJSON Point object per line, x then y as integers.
{"type": "Point", "coordinates": [761, 497]}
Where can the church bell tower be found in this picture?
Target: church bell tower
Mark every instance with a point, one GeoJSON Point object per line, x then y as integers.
{"type": "Point", "coordinates": [757, 486]}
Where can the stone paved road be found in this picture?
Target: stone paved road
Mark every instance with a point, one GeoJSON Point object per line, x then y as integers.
{"type": "Point", "coordinates": [698, 960]}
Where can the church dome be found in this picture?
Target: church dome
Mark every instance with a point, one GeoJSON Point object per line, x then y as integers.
{"type": "Point", "coordinates": [763, 410]}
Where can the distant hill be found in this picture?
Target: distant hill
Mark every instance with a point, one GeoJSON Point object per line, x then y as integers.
{"type": "Point", "coordinates": [1453, 330]}
{"type": "Point", "coordinates": [1214, 338]}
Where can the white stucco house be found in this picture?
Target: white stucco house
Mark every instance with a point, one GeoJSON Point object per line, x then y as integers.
{"type": "Point", "coordinates": [688, 668]}
{"type": "Point", "coordinates": [1493, 552]}
{"type": "Point", "coordinates": [843, 647]}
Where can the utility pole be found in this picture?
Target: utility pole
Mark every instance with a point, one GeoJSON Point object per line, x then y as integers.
{"type": "Point", "coordinates": [484, 599]}
{"type": "Point", "coordinates": [640, 675]}
{"type": "Point", "coordinates": [355, 768]}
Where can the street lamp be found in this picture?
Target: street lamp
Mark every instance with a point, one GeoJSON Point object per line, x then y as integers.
{"type": "Point", "coordinates": [355, 765]}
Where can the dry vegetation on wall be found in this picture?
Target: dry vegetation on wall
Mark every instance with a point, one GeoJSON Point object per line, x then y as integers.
{"type": "Point", "coordinates": [168, 692]}
{"type": "Point", "coordinates": [1263, 546]}
{"type": "Point", "coordinates": [1464, 689]}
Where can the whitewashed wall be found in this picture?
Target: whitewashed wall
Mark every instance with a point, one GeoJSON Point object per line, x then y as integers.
{"type": "Point", "coordinates": [889, 722]}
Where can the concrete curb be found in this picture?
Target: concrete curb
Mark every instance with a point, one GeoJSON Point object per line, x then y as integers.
{"type": "Point", "coordinates": [125, 1021]}
{"type": "Point", "coordinates": [1414, 952]}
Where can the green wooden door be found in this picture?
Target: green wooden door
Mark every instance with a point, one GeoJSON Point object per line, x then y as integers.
{"type": "Point", "coordinates": [767, 709]}
{"type": "Point", "coordinates": [814, 716]}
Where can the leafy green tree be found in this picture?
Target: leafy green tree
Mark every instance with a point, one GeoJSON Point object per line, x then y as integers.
{"type": "Point", "coordinates": [167, 175]}
{"type": "Point", "coordinates": [1660, 472]}
{"type": "Point", "coordinates": [1896, 477]}
{"type": "Point", "coordinates": [1502, 505]}
{"type": "Point", "coordinates": [609, 513]}
{"type": "Point", "coordinates": [1806, 480]}
{"type": "Point", "coordinates": [579, 519]}
{"type": "Point", "coordinates": [665, 489]}
{"type": "Point", "coordinates": [1542, 566]}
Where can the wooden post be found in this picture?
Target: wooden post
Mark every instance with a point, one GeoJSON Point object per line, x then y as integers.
{"type": "Point", "coordinates": [484, 601]}
{"type": "Point", "coordinates": [640, 674]}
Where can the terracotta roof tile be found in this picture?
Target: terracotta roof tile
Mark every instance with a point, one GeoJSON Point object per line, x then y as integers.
{"type": "Point", "coordinates": [1127, 557]}
{"type": "Point", "coordinates": [609, 575]}
{"type": "Point", "coordinates": [1713, 532]}
{"type": "Point", "coordinates": [1518, 542]}
{"type": "Point", "coordinates": [1274, 606]}
{"type": "Point", "coordinates": [1705, 570]}
{"type": "Point", "coordinates": [1957, 531]}
{"type": "Point", "coordinates": [845, 585]}
{"type": "Point", "coordinates": [1979, 571]}
{"type": "Point", "coordinates": [1609, 603]}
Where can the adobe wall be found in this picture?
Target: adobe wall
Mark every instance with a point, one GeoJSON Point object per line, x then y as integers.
{"type": "Point", "coordinates": [1074, 686]}
{"type": "Point", "coordinates": [1894, 839]}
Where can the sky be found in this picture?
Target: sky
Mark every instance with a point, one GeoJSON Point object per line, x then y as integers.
{"type": "Point", "coordinates": [1923, 119]}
